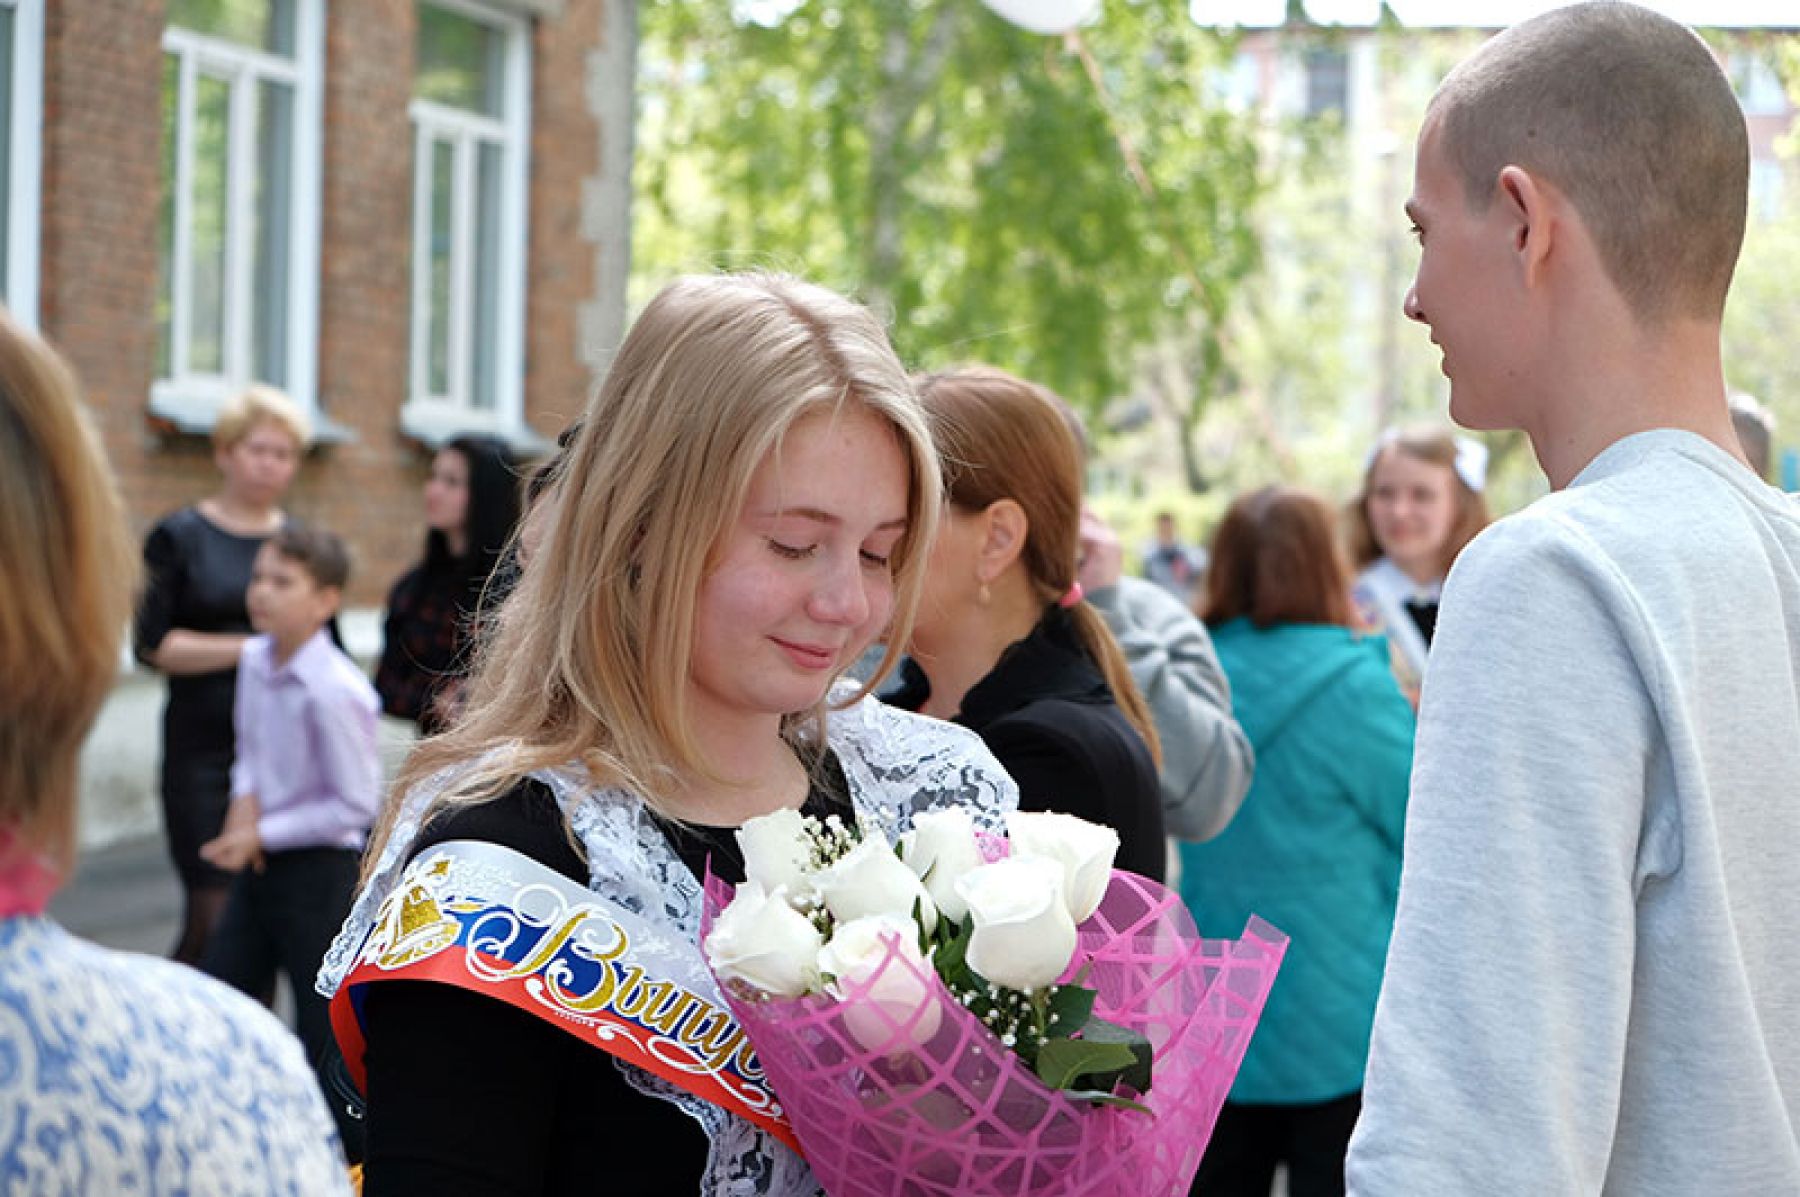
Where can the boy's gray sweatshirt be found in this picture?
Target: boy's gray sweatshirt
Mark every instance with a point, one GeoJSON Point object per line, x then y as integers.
{"type": "Point", "coordinates": [1594, 979]}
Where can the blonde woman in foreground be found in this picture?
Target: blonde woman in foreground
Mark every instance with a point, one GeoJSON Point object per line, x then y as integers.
{"type": "Point", "coordinates": [747, 506]}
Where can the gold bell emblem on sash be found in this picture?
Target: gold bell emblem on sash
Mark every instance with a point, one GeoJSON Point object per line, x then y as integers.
{"type": "Point", "coordinates": [412, 925]}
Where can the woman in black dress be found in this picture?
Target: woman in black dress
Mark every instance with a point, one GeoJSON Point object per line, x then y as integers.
{"type": "Point", "coordinates": [1004, 643]}
{"type": "Point", "coordinates": [471, 505]}
{"type": "Point", "coordinates": [192, 624]}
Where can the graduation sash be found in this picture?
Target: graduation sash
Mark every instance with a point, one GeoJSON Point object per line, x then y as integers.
{"type": "Point", "coordinates": [491, 920]}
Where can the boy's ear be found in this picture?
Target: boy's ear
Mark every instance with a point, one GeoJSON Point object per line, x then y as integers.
{"type": "Point", "coordinates": [1528, 206]}
{"type": "Point", "coordinates": [332, 597]}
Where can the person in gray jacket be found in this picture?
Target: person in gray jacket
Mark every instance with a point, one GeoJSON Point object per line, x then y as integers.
{"type": "Point", "coordinates": [1207, 760]}
{"type": "Point", "coordinates": [1591, 985]}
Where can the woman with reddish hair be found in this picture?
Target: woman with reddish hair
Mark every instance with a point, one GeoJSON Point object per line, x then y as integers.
{"type": "Point", "coordinates": [1005, 643]}
{"type": "Point", "coordinates": [1315, 849]}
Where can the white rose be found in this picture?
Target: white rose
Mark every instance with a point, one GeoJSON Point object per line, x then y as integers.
{"type": "Point", "coordinates": [777, 851]}
{"type": "Point", "coordinates": [1023, 937]}
{"type": "Point", "coordinates": [870, 879]}
{"type": "Point", "coordinates": [940, 848]}
{"type": "Point", "coordinates": [1084, 850]}
{"type": "Point", "coordinates": [762, 940]}
{"type": "Point", "coordinates": [879, 956]}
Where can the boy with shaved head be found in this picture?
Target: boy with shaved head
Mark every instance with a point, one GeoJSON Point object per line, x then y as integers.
{"type": "Point", "coordinates": [1593, 984]}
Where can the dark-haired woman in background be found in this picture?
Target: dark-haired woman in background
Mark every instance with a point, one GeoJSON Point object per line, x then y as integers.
{"type": "Point", "coordinates": [1004, 643]}
{"type": "Point", "coordinates": [471, 505]}
{"type": "Point", "coordinates": [1315, 849]}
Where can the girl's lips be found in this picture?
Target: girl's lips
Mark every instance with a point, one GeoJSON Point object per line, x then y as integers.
{"type": "Point", "coordinates": [808, 656]}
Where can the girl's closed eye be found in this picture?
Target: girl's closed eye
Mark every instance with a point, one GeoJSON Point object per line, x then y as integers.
{"type": "Point", "coordinates": [876, 560]}
{"type": "Point", "coordinates": [792, 552]}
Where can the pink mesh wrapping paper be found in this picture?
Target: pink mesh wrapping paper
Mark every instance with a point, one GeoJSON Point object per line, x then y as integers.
{"type": "Point", "coordinates": [880, 1114]}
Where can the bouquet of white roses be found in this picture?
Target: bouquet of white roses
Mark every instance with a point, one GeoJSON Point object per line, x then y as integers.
{"type": "Point", "coordinates": [954, 1014]}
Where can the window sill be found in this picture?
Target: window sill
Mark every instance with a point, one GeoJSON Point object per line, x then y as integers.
{"type": "Point", "coordinates": [195, 414]}
{"type": "Point", "coordinates": [434, 427]}
{"type": "Point", "coordinates": [541, 9]}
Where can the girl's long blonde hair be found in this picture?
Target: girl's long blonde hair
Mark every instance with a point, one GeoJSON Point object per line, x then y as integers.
{"type": "Point", "coordinates": [587, 659]}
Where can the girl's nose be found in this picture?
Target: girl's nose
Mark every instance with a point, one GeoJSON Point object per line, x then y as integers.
{"type": "Point", "coordinates": [840, 595]}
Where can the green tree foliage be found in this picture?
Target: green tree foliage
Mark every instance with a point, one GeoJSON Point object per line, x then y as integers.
{"type": "Point", "coordinates": [1004, 203]}
{"type": "Point", "coordinates": [1765, 293]}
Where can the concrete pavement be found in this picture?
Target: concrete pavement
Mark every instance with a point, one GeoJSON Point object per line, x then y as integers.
{"type": "Point", "coordinates": [123, 896]}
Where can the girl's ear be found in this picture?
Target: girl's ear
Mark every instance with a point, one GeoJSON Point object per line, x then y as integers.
{"type": "Point", "coordinates": [1004, 537]}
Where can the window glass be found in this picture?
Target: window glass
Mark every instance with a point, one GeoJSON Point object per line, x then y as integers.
{"type": "Point", "coordinates": [459, 62]}
{"type": "Point", "coordinates": [1327, 82]}
{"type": "Point", "coordinates": [441, 237]}
{"type": "Point", "coordinates": [7, 19]}
{"type": "Point", "coordinates": [486, 333]}
{"type": "Point", "coordinates": [165, 217]}
{"type": "Point", "coordinates": [207, 210]}
{"type": "Point", "coordinates": [468, 231]}
{"type": "Point", "coordinates": [273, 215]}
{"type": "Point", "coordinates": [240, 149]}
{"type": "Point", "coordinates": [260, 24]}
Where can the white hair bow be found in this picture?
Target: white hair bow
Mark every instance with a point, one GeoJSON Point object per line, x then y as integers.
{"type": "Point", "coordinates": [1472, 463]}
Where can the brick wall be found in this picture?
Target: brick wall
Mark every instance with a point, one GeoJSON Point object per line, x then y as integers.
{"type": "Point", "coordinates": [102, 184]}
{"type": "Point", "coordinates": [101, 167]}
{"type": "Point", "coordinates": [368, 487]}
{"type": "Point", "coordinates": [565, 151]}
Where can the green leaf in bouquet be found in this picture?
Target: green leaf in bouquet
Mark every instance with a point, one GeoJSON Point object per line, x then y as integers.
{"type": "Point", "coordinates": [1070, 1008]}
{"type": "Point", "coordinates": [1105, 1055]}
{"type": "Point", "coordinates": [952, 959]}
{"type": "Point", "coordinates": [1062, 1063]}
{"type": "Point", "coordinates": [1098, 1030]}
{"type": "Point", "coordinates": [1100, 1098]}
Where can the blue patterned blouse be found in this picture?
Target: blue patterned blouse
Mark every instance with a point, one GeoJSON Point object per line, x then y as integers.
{"type": "Point", "coordinates": [125, 1075]}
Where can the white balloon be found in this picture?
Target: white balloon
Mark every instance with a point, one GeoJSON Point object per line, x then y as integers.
{"type": "Point", "coordinates": [1046, 16]}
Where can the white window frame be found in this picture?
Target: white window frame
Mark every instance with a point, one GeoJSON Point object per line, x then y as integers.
{"type": "Point", "coordinates": [25, 153]}
{"type": "Point", "coordinates": [192, 400]}
{"type": "Point", "coordinates": [434, 418]}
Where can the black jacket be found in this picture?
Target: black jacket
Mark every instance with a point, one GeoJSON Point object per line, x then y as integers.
{"type": "Point", "coordinates": [1046, 712]}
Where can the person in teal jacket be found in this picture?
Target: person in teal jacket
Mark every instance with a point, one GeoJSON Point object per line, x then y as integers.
{"type": "Point", "coordinates": [1315, 849]}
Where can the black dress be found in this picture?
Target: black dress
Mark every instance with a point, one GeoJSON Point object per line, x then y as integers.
{"type": "Point", "coordinates": [196, 576]}
{"type": "Point", "coordinates": [543, 1115]}
{"type": "Point", "coordinates": [1046, 712]}
{"type": "Point", "coordinates": [425, 641]}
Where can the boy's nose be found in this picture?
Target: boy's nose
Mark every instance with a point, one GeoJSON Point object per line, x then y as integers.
{"type": "Point", "coordinates": [1410, 304]}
